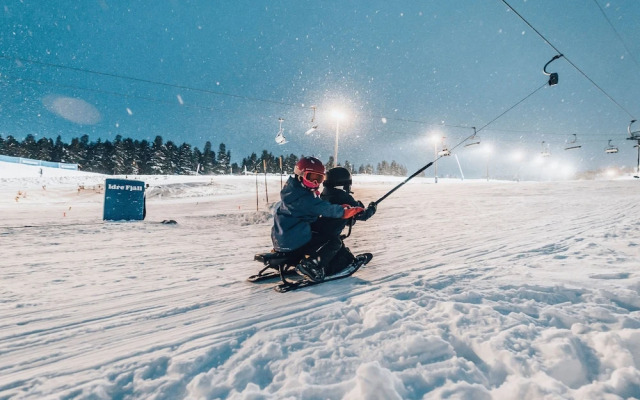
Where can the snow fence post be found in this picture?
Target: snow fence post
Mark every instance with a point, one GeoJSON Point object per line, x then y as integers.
{"type": "Point", "coordinates": [123, 200]}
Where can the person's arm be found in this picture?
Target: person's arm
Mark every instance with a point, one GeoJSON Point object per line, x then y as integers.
{"type": "Point", "coordinates": [368, 212]}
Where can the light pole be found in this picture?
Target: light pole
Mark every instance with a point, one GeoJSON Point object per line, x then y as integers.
{"type": "Point", "coordinates": [435, 139]}
{"type": "Point", "coordinates": [338, 116]}
{"type": "Point", "coordinates": [517, 157]}
{"type": "Point", "coordinates": [488, 149]}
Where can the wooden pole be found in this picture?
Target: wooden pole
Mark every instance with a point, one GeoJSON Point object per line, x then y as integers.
{"type": "Point", "coordinates": [266, 190]}
{"type": "Point", "coordinates": [256, 172]}
{"type": "Point", "coordinates": [280, 172]}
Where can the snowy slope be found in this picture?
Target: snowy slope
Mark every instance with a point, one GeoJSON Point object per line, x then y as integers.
{"type": "Point", "coordinates": [487, 290]}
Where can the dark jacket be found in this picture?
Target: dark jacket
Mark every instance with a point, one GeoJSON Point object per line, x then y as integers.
{"type": "Point", "coordinates": [297, 209]}
{"type": "Point", "coordinates": [332, 227]}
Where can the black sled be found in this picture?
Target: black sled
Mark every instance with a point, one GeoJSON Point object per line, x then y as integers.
{"type": "Point", "coordinates": [282, 265]}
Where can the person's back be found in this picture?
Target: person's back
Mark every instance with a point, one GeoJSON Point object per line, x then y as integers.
{"type": "Point", "coordinates": [295, 212]}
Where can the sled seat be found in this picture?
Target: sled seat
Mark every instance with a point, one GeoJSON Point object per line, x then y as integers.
{"type": "Point", "coordinates": [275, 258]}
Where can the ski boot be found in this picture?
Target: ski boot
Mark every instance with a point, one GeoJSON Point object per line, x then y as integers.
{"type": "Point", "coordinates": [310, 269]}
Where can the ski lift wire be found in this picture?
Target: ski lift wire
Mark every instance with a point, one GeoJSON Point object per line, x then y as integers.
{"type": "Point", "coordinates": [624, 44]}
{"type": "Point", "coordinates": [419, 171]}
{"type": "Point", "coordinates": [566, 58]}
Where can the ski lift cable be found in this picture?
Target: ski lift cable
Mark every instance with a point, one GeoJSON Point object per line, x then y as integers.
{"type": "Point", "coordinates": [149, 81]}
{"type": "Point", "coordinates": [624, 44]}
{"type": "Point", "coordinates": [475, 132]}
{"type": "Point", "coordinates": [568, 60]}
{"type": "Point", "coordinates": [25, 60]}
{"type": "Point", "coordinates": [184, 87]}
{"type": "Point", "coordinates": [506, 111]}
{"type": "Point", "coordinates": [111, 93]}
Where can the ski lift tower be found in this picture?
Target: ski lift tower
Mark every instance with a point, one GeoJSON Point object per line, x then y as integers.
{"type": "Point", "coordinates": [635, 135]}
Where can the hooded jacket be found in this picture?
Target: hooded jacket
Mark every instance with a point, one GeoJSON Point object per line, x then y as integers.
{"type": "Point", "coordinates": [295, 212]}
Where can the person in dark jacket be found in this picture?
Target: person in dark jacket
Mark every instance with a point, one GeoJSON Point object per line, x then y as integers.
{"type": "Point", "coordinates": [337, 190]}
{"type": "Point", "coordinates": [299, 206]}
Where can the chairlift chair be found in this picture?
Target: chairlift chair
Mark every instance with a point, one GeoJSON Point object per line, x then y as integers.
{"type": "Point", "coordinates": [553, 76]}
{"type": "Point", "coordinates": [474, 140]}
{"type": "Point", "coordinates": [573, 144]}
{"type": "Point", "coordinates": [545, 150]}
{"type": "Point", "coordinates": [611, 149]}
{"type": "Point", "coordinates": [280, 139]}
{"type": "Point", "coordinates": [313, 118]}
{"type": "Point", "coordinates": [633, 135]}
{"type": "Point", "coordinates": [445, 150]}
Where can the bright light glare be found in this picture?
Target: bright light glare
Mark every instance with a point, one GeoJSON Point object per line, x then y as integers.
{"type": "Point", "coordinates": [612, 173]}
{"type": "Point", "coordinates": [567, 170]}
{"type": "Point", "coordinates": [435, 138]}
{"type": "Point", "coordinates": [538, 160]}
{"type": "Point", "coordinates": [339, 115]}
{"type": "Point", "coordinates": [487, 148]}
{"type": "Point", "coordinates": [517, 156]}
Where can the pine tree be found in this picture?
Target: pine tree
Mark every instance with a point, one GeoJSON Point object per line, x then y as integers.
{"type": "Point", "coordinates": [250, 164]}
{"type": "Point", "coordinates": [224, 159]}
{"type": "Point", "coordinates": [383, 168]}
{"type": "Point", "coordinates": [208, 161]}
{"type": "Point", "coordinates": [171, 161]}
{"type": "Point", "coordinates": [330, 164]}
{"type": "Point", "coordinates": [58, 150]}
{"type": "Point", "coordinates": [11, 147]}
{"type": "Point", "coordinates": [43, 150]}
{"type": "Point", "coordinates": [158, 156]}
{"type": "Point", "coordinates": [29, 147]}
{"type": "Point", "coordinates": [185, 160]}
{"type": "Point", "coordinates": [143, 157]}
{"type": "Point", "coordinates": [348, 166]}
{"type": "Point", "coordinates": [118, 156]}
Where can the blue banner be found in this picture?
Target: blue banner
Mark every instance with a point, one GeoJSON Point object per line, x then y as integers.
{"type": "Point", "coordinates": [39, 163]}
{"type": "Point", "coordinates": [124, 200]}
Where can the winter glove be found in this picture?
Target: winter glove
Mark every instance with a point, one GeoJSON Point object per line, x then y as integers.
{"type": "Point", "coordinates": [372, 208]}
{"type": "Point", "coordinates": [350, 211]}
{"type": "Point", "coordinates": [368, 213]}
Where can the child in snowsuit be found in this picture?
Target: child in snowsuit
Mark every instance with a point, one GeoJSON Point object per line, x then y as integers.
{"type": "Point", "coordinates": [329, 228]}
{"type": "Point", "coordinates": [300, 205]}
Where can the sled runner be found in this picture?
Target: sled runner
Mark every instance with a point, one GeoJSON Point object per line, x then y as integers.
{"type": "Point", "coordinates": [282, 265]}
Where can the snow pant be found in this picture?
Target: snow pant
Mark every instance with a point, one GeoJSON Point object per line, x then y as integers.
{"type": "Point", "coordinates": [331, 253]}
{"type": "Point", "coordinates": [322, 248]}
{"type": "Point", "coordinates": [340, 261]}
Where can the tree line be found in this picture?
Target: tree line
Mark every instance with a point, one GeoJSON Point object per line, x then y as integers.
{"type": "Point", "coordinates": [125, 156]}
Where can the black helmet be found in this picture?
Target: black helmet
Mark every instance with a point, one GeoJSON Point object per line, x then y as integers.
{"type": "Point", "coordinates": [338, 176]}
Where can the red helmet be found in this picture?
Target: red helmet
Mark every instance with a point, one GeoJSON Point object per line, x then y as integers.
{"type": "Point", "coordinates": [311, 172]}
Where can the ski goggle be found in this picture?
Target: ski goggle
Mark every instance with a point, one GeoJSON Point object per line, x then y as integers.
{"type": "Point", "coordinates": [312, 179]}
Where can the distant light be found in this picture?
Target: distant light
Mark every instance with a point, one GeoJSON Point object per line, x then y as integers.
{"type": "Point", "coordinates": [612, 173]}
{"type": "Point", "coordinates": [517, 156]}
{"type": "Point", "coordinates": [339, 115]}
{"type": "Point", "coordinates": [488, 148]}
{"type": "Point", "coordinates": [129, 111]}
{"type": "Point", "coordinates": [384, 120]}
{"type": "Point", "coordinates": [567, 170]}
{"type": "Point", "coordinates": [180, 100]}
{"type": "Point", "coordinates": [538, 160]}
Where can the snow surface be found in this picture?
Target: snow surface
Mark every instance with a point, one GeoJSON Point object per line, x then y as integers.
{"type": "Point", "coordinates": [476, 291]}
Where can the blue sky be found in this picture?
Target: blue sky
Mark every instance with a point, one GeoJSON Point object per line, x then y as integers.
{"type": "Point", "coordinates": [401, 72]}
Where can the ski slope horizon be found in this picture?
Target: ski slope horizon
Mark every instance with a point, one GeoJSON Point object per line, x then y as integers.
{"type": "Point", "coordinates": [477, 290]}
